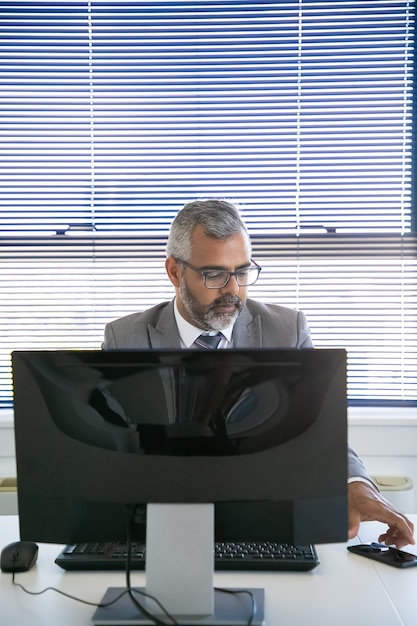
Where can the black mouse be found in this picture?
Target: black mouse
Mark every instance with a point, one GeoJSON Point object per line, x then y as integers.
{"type": "Point", "coordinates": [18, 556]}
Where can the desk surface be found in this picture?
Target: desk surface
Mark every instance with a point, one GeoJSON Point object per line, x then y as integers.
{"type": "Point", "coordinates": [344, 590]}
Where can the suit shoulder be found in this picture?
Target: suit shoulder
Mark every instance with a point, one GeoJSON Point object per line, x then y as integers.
{"type": "Point", "coordinates": [133, 331]}
{"type": "Point", "coordinates": [280, 326]}
{"type": "Point", "coordinates": [271, 310]}
{"type": "Point", "coordinates": [149, 316]}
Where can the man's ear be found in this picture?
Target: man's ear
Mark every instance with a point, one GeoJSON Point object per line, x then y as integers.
{"type": "Point", "coordinates": [173, 269]}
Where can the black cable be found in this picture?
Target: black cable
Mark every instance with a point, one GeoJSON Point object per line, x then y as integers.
{"type": "Point", "coordinates": [149, 615]}
{"type": "Point", "coordinates": [242, 591]}
{"type": "Point", "coordinates": [134, 600]}
{"type": "Point", "coordinates": [68, 595]}
{"type": "Point", "coordinates": [131, 590]}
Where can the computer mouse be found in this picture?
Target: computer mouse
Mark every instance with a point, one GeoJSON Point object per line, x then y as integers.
{"type": "Point", "coordinates": [18, 556]}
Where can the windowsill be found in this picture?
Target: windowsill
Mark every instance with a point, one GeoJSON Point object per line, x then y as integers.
{"type": "Point", "coordinates": [382, 416]}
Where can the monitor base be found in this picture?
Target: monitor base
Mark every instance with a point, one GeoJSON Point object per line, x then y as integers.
{"type": "Point", "coordinates": [230, 609]}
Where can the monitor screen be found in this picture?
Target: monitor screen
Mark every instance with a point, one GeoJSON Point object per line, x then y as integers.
{"type": "Point", "coordinates": [262, 434]}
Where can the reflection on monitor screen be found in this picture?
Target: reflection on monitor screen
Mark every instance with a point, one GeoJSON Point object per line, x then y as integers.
{"type": "Point", "coordinates": [259, 433]}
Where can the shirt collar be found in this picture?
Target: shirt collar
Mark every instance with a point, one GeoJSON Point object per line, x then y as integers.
{"type": "Point", "coordinates": [189, 333]}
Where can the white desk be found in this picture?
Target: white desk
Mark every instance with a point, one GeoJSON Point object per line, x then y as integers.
{"type": "Point", "coordinates": [344, 590]}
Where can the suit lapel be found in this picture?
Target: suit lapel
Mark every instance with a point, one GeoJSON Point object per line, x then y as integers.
{"type": "Point", "coordinates": [247, 331]}
{"type": "Point", "coordinates": [164, 334]}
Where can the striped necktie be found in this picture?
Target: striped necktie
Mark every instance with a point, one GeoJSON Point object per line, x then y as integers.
{"type": "Point", "coordinates": [208, 342]}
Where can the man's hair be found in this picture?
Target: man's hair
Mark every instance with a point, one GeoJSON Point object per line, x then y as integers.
{"type": "Point", "coordinates": [219, 218]}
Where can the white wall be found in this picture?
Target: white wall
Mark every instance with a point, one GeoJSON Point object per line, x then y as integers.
{"type": "Point", "coordinates": [7, 449]}
{"type": "Point", "coordinates": [8, 500]}
{"type": "Point", "coordinates": [386, 440]}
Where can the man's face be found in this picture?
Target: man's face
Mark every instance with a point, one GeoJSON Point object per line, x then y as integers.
{"type": "Point", "coordinates": [211, 309]}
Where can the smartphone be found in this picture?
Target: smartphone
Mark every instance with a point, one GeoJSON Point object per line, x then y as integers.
{"type": "Point", "coordinates": [385, 554]}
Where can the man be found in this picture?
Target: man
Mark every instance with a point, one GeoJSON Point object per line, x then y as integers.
{"type": "Point", "coordinates": [210, 266]}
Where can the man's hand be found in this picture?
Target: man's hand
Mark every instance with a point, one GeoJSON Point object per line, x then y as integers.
{"type": "Point", "coordinates": [366, 504]}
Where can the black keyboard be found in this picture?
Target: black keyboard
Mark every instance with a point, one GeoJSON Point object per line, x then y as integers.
{"type": "Point", "coordinates": [265, 556]}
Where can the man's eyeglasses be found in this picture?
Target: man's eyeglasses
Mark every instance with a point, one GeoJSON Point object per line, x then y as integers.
{"type": "Point", "coordinates": [217, 279]}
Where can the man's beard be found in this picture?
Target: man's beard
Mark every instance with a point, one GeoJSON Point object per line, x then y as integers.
{"type": "Point", "coordinates": [206, 316]}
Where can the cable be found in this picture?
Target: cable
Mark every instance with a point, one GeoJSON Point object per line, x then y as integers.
{"type": "Point", "coordinates": [149, 615]}
{"type": "Point", "coordinates": [131, 591]}
{"type": "Point", "coordinates": [68, 595]}
{"type": "Point", "coordinates": [242, 591]}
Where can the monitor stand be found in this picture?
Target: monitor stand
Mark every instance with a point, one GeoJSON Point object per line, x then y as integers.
{"type": "Point", "coordinates": [179, 573]}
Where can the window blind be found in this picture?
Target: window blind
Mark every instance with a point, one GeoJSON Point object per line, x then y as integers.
{"type": "Point", "coordinates": [116, 113]}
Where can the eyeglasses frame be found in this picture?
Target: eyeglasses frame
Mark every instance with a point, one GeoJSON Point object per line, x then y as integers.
{"type": "Point", "coordinates": [203, 273]}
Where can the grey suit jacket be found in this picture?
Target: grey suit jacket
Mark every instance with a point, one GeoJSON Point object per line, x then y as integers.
{"type": "Point", "coordinates": [258, 326]}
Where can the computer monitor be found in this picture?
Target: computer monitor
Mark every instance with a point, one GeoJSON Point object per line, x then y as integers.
{"type": "Point", "coordinates": [258, 435]}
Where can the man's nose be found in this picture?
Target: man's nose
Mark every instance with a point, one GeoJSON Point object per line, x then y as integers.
{"type": "Point", "coordinates": [232, 286]}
